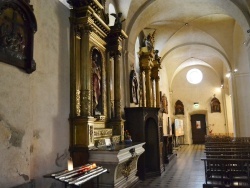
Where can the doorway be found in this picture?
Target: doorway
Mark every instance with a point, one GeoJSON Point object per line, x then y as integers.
{"type": "Point", "coordinates": [198, 124]}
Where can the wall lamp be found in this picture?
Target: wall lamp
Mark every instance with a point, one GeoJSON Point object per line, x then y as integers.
{"type": "Point", "coordinates": [196, 104]}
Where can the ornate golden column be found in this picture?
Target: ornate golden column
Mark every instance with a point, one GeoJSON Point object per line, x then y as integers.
{"type": "Point", "coordinates": [148, 86]}
{"type": "Point", "coordinates": [142, 89]}
{"type": "Point", "coordinates": [145, 66]}
{"type": "Point", "coordinates": [82, 122]}
{"type": "Point", "coordinates": [156, 78]}
{"type": "Point", "coordinates": [108, 76]}
{"type": "Point", "coordinates": [157, 92]}
{"type": "Point", "coordinates": [114, 41]}
{"type": "Point", "coordinates": [85, 71]}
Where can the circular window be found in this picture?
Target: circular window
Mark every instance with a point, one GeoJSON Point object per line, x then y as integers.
{"type": "Point", "coordinates": [194, 76]}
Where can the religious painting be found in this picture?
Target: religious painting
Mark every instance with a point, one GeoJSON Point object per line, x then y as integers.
{"type": "Point", "coordinates": [17, 28]}
{"type": "Point", "coordinates": [215, 105]}
{"type": "Point", "coordinates": [179, 108]}
{"type": "Point", "coordinates": [133, 87]}
{"type": "Point", "coordinates": [97, 81]}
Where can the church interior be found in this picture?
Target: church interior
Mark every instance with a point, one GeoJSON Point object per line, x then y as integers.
{"type": "Point", "coordinates": [139, 77]}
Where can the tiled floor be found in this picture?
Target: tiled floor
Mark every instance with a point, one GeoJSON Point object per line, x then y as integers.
{"type": "Point", "coordinates": [185, 171]}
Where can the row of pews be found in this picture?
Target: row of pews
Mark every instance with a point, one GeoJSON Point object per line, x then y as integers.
{"type": "Point", "coordinates": [227, 162]}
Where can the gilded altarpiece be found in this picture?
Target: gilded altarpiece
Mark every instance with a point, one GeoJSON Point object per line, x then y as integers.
{"type": "Point", "coordinates": [93, 46]}
{"type": "Point", "coordinates": [93, 118]}
{"type": "Point", "coordinates": [88, 100]}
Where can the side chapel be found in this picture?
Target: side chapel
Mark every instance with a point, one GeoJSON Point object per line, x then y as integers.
{"type": "Point", "coordinates": [95, 108]}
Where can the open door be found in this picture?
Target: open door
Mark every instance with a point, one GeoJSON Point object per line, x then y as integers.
{"type": "Point", "coordinates": [198, 123]}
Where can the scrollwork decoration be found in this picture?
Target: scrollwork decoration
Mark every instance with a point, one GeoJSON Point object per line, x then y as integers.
{"type": "Point", "coordinates": [127, 167]}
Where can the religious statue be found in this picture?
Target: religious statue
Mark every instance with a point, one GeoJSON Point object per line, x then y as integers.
{"type": "Point", "coordinates": [133, 87]}
{"type": "Point", "coordinates": [118, 21]}
{"type": "Point", "coordinates": [157, 57]}
{"type": "Point", "coordinates": [149, 41]}
{"type": "Point", "coordinates": [164, 103]}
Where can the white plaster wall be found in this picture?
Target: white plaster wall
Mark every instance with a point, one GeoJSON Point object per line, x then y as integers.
{"type": "Point", "coordinates": [34, 108]}
{"type": "Point", "coordinates": [202, 93]}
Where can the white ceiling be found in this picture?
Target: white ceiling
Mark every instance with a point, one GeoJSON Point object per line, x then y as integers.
{"type": "Point", "coordinates": [204, 30]}
{"type": "Point", "coordinates": [207, 31]}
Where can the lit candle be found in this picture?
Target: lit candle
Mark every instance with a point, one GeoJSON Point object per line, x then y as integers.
{"type": "Point", "coordinates": [70, 164]}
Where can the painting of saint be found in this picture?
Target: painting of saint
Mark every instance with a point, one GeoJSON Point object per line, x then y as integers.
{"type": "Point", "coordinates": [96, 80]}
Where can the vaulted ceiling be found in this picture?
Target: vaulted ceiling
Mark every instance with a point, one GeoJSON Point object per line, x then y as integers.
{"type": "Point", "coordinates": [208, 33]}
{"type": "Point", "coordinates": [204, 32]}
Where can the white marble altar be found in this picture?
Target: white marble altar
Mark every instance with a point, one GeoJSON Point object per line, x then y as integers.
{"type": "Point", "coordinates": [121, 162]}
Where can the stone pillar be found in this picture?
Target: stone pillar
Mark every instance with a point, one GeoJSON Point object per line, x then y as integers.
{"type": "Point", "coordinates": [235, 110]}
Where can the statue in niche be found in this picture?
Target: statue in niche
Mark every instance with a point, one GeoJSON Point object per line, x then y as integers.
{"type": "Point", "coordinates": [215, 105]}
{"type": "Point", "coordinates": [179, 108]}
{"type": "Point", "coordinates": [149, 41]}
{"type": "Point", "coordinates": [157, 57]}
{"type": "Point", "coordinates": [164, 104]}
{"type": "Point", "coordinates": [133, 87]}
{"type": "Point", "coordinates": [97, 79]}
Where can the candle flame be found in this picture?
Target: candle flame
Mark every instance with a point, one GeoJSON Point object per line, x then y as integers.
{"type": "Point", "coordinates": [70, 164]}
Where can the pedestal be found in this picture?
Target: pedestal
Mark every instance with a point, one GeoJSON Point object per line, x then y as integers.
{"type": "Point", "coordinates": [121, 163]}
{"type": "Point", "coordinates": [168, 148]}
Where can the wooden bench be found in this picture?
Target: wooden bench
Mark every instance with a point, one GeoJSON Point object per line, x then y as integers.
{"type": "Point", "coordinates": [226, 172]}
{"type": "Point", "coordinates": [227, 162]}
{"type": "Point", "coordinates": [222, 149]}
{"type": "Point", "coordinates": [245, 152]}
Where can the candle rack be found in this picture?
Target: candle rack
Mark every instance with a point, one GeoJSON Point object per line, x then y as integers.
{"type": "Point", "coordinates": [79, 175]}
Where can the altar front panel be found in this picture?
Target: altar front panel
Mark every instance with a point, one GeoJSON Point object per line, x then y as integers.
{"type": "Point", "coordinates": [121, 163]}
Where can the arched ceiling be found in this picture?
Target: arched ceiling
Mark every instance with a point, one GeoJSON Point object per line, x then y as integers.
{"type": "Point", "coordinates": [203, 30]}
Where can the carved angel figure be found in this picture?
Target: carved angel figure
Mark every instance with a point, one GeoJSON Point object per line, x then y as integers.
{"type": "Point", "coordinates": [118, 21]}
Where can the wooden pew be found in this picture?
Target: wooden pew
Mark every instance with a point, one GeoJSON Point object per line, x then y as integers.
{"type": "Point", "coordinates": [227, 162]}
{"type": "Point", "coordinates": [228, 149]}
{"type": "Point", "coordinates": [238, 152]}
{"type": "Point", "coordinates": [226, 172]}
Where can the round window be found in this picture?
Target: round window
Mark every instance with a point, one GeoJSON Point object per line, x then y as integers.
{"type": "Point", "coordinates": [194, 76]}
